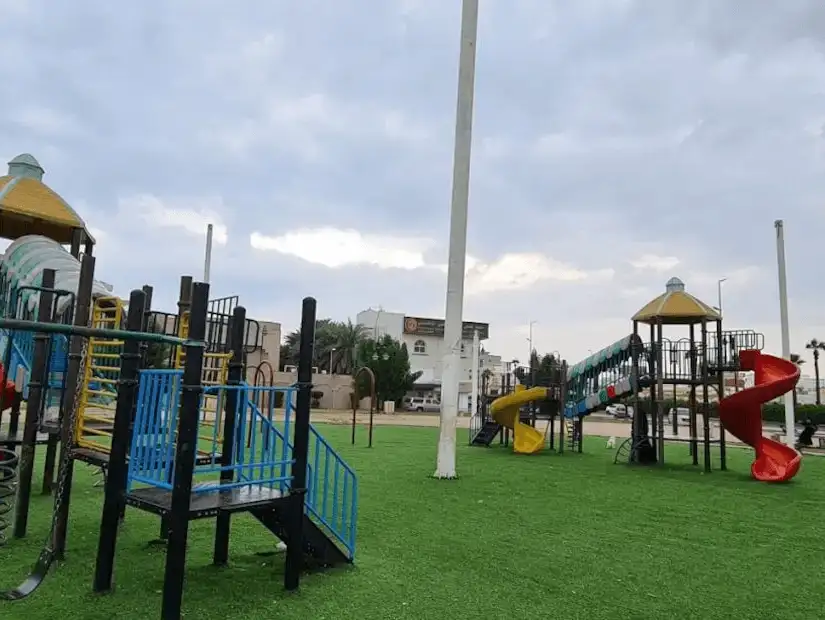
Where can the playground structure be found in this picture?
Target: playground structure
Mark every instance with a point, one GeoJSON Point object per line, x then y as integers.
{"type": "Point", "coordinates": [102, 371]}
{"type": "Point", "coordinates": [39, 222]}
{"type": "Point", "coordinates": [268, 462]}
{"type": "Point", "coordinates": [156, 400]}
{"type": "Point", "coordinates": [519, 412]}
{"type": "Point", "coordinates": [649, 376]}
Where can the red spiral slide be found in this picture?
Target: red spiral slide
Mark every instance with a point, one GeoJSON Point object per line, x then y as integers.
{"type": "Point", "coordinates": [741, 415]}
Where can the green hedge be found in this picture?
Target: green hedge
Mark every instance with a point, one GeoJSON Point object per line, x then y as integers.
{"type": "Point", "coordinates": [772, 412]}
{"type": "Point", "coordinates": [775, 412]}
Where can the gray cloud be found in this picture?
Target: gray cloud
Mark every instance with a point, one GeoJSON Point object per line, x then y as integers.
{"type": "Point", "coordinates": [653, 138]}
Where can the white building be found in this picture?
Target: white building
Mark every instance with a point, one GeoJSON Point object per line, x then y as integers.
{"type": "Point", "coordinates": [424, 338]}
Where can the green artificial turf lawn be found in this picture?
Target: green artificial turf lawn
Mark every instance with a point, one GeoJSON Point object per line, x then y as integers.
{"type": "Point", "coordinates": [541, 536]}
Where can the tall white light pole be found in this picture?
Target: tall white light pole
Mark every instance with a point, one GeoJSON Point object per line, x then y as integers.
{"type": "Point", "coordinates": [784, 324]}
{"type": "Point", "coordinates": [207, 260]}
{"type": "Point", "coordinates": [719, 284]}
{"type": "Point", "coordinates": [445, 464]}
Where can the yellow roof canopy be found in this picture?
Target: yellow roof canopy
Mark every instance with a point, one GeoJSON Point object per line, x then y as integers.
{"type": "Point", "coordinates": [676, 307]}
{"type": "Point", "coordinates": [29, 207]}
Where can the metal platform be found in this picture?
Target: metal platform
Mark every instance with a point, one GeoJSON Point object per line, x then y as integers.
{"type": "Point", "coordinates": [52, 426]}
{"type": "Point", "coordinates": [101, 459]}
{"type": "Point", "coordinates": [685, 439]}
{"type": "Point", "coordinates": [205, 504]}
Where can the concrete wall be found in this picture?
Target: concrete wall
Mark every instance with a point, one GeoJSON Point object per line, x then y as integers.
{"type": "Point", "coordinates": [269, 339]}
{"type": "Point", "coordinates": [336, 388]}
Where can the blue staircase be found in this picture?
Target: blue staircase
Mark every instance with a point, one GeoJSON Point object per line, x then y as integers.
{"type": "Point", "coordinates": [260, 465]}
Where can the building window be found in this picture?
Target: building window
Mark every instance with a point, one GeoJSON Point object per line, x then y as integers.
{"type": "Point", "coordinates": [462, 347]}
{"type": "Point", "coordinates": [420, 346]}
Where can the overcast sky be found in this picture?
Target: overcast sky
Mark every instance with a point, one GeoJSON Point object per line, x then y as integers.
{"type": "Point", "coordinates": [617, 143]}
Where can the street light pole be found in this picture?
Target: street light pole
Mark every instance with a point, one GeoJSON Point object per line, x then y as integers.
{"type": "Point", "coordinates": [207, 259]}
{"type": "Point", "coordinates": [453, 315]}
{"type": "Point", "coordinates": [719, 289]}
{"type": "Point", "coordinates": [530, 337]}
{"type": "Point", "coordinates": [532, 365]}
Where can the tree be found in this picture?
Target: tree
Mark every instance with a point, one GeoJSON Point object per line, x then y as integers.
{"type": "Point", "coordinates": [795, 358]}
{"type": "Point", "coordinates": [348, 337]}
{"type": "Point", "coordinates": [389, 360]}
{"type": "Point", "coordinates": [542, 371]}
{"type": "Point", "coordinates": [816, 346]}
{"type": "Point", "coordinates": [336, 345]}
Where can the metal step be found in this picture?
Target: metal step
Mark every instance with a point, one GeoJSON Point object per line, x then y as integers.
{"type": "Point", "coordinates": [487, 433]}
{"type": "Point", "coordinates": [319, 548]}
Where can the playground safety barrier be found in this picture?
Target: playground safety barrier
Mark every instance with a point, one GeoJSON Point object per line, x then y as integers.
{"type": "Point", "coordinates": [262, 453]}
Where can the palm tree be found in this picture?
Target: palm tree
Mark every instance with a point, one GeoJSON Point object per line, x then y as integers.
{"type": "Point", "coordinates": [336, 344]}
{"type": "Point", "coordinates": [349, 336]}
{"type": "Point", "coordinates": [816, 346]}
{"type": "Point", "coordinates": [797, 359]}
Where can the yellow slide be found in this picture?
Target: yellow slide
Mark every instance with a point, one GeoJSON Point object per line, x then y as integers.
{"type": "Point", "coordinates": [505, 410]}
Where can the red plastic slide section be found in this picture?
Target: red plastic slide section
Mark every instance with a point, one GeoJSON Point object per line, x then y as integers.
{"type": "Point", "coordinates": [741, 415]}
{"type": "Point", "coordinates": [8, 390]}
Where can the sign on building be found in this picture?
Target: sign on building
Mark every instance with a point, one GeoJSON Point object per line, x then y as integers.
{"type": "Point", "coordinates": [421, 326]}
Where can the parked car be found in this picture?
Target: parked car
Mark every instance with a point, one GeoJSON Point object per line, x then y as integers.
{"type": "Point", "coordinates": [619, 411]}
{"type": "Point", "coordinates": [423, 404]}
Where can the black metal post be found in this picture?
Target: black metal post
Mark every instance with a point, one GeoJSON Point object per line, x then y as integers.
{"type": "Point", "coordinates": [723, 465]}
{"type": "Point", "coordinates": [660, 392]}
{"type": "Point", "coordinates": [14, 414]}
{"type": "Point", "coordinates": [115, 487]}
{"type": "Point", "coordinates": [39, 374]}
{"type": "Point", "coordinates": [636, 349]}
{"type": "Point", "coordinates": [705, 389]}
{"type": "Point", "coordinates": [580, 430]}
{"type": "Point", "coordinates": [147, 318]}
{"type": "Point", "coordinates": [372, 414]}
{"type": "Point", "coordinates": [77, 238]}
{"type": "Point", "coordinates": [653, 367]}
{"type": "Point", "coordinates": [694, 427]}
{"type": "Point", "coordinates": [184, 303]}
{"type": "Point", "coordinates": [220, 554]}
{"type": "Point", "coordinates": [70, 396]}
{"type": "Point", "coordinates": [173, 577]}
{"type": "Point", "coordinates": [294, 526]}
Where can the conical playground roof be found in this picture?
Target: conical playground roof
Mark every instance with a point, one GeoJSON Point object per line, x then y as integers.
{"type": "Point", "coordinates": [676, 307]}
{"type": "Point", "coordinates": [30, 207]}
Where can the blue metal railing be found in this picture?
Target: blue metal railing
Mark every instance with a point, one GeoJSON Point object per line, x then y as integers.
{"type": "Point", "coordinates": [332, 491]}
{"type": "Point", "coordinates": [263, 437]}
{"type": "Point", "coordinates": [262, 453]}
{"type": "Point", "coordinates": [151, 455]}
